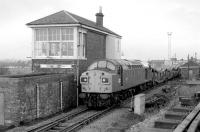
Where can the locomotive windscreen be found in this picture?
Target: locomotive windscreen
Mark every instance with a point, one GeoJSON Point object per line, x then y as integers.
{"type": "Point", "coordinates": [102, 65]}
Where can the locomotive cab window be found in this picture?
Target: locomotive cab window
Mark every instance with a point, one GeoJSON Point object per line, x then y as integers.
{"type": "Point", "coordinates": [102, 65]}
{"type": "Point", "coordinates": [110, 66]}
{"type": "Point", "coordinates": [93, 66]}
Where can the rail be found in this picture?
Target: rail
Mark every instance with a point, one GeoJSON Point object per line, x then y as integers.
{"type": "Point", "coordinates": [194, 125]}
{"type": "Point", "coordinates": [88, 120]}
{"type": "Point", "coordinates": [48, 126]}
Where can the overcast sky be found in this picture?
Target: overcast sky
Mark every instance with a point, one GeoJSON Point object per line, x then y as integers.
{"type": "Point", "coordinates": [143, 24]}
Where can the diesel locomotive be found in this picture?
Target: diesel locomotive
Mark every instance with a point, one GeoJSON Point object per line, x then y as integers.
{"type": "Point", "coordinates": [108, 81]}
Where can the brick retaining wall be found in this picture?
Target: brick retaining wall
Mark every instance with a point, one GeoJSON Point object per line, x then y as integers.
{"type": "Point", "coordinates": [20, 96]}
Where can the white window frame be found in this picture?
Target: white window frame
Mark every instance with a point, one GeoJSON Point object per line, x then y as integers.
{"type": "Point", "coordinates": [34, 43]}
{"type": "Point", "coordinates": [74, 41]}
{"type": "Point", "coordinates": [118, 45]}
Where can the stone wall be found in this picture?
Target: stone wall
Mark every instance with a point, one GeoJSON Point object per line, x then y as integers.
{"type": "Point", "coordinates": [36, 96]}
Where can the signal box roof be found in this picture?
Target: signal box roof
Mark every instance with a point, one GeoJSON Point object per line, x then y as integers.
{"type": "Point", "coordinates": [65, 17]}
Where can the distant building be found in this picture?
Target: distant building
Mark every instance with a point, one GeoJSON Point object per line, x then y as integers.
{"type": "Point", "coordinates": [60, 39]}
{"type": "Point", "coordinates": [190, 70]}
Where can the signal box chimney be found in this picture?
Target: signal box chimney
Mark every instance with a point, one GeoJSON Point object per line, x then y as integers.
{"type": "Point", "coordinates": [99, 17]}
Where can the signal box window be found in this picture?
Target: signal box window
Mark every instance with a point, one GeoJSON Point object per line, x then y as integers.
{"type": "Point", "coordinates": [67, 49]}
{"type": "Point", "coordinates": [54, 48]}
{"type": "Point", "coordinates": [54, 41]}
{"type": "Point", "coordinates": [82, 44]}
{"type": "Point", "coordinates": [41, 48]}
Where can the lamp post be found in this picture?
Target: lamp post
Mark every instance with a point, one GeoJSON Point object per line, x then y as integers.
{"type": "Point", "coordinates": [77, 77]}
{"type": "Point", "coordinates": [77, 74]}
{"type": "Point", "coordinates": [78, 62]}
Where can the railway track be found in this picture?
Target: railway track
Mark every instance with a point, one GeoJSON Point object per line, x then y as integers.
{"type": "Point", "coordinates": [57, 122]}
{"type": "Point", "coordinates": [77, 120]}
{"type": "Point", "coordinates": [72, 122]}
{"type": "Point", "coordinates": [77, 125]}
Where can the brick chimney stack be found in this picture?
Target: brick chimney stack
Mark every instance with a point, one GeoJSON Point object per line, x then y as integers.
{"type": "Point", "coordinates": [99, 17]}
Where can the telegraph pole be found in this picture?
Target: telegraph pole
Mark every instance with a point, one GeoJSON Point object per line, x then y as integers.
{"type": "Point", "coordinates": [78, 68]}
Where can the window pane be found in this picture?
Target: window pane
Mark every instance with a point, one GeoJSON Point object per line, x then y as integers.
{"type": "Point", "coordinates": [70, 49]}
{"type": "Point", "coordinates": [118, 46]}
{"type": "Point", "coordinates": [71, 31]}
{"type": "Point", "coordinates": [110, 66]}
{"type": "Point", "coordinates": [102, 64]}
{"type": "Point", "coordinates": [54, 34]}
{"type": "Point", "coordinates": [67, 49]}
{"type": "Point", "coordinates": [36, 34]}
{"type": "Point", "coordinates": [84, 44]}
{"type": "Point", "coordinates": [54, 48]}
{"type": "Point", "coordinates": [64, 49]}
{"type": "Point", "coordinates": [45, 34]}
{"type": "Point", "coordinates": [93, 66]}
{"type": "Point", "coordinates": [67, 33]}
{"type": "Point", "coordinates": [71, 37]}
{"type": "Point", "coordinates": [41, 49]}
{"type": "Point", "coordinates": [79, 44]}
{"type": "Point", "coordinates": [41, 34]}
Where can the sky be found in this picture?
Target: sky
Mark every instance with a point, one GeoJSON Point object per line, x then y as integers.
{"type": "Point", "coordinates": [143, 25]}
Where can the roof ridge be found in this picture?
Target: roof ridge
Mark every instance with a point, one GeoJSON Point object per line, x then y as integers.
{"type": "Point", "coordinates": [81, 17]}
{"type": "Point", "coordinates": [66, 12]}
{"type": "Point", "coordinates": [93, 22]}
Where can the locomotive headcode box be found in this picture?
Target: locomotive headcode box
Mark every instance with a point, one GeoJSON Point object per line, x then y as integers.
{"type": "Point", "coordinates": [139, 104]}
